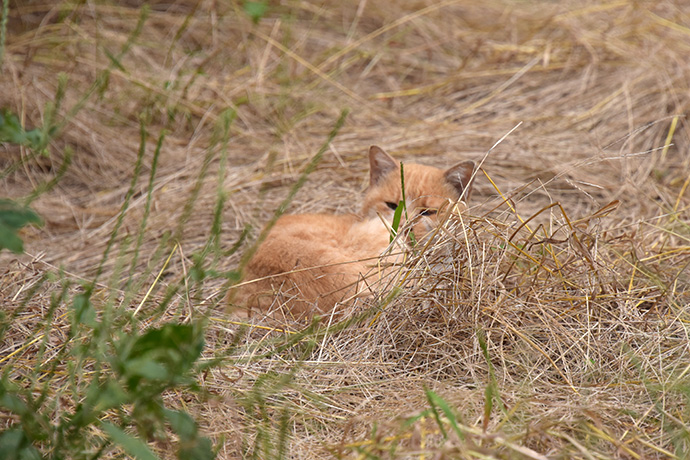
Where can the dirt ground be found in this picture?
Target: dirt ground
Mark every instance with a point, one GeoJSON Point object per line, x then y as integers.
{"type": "Point", "coordinates": [585, 342]}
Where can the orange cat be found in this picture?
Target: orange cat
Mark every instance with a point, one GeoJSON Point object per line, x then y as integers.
{"type": "Point", "coordinates": [310, 262]}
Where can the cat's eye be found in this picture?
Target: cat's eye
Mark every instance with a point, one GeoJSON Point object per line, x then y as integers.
{"type": "Point", "coordinates": [392, 205]}
{"type": "Point", "coordinates": [427, 212]}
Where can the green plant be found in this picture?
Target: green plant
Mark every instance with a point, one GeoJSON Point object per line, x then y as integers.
{"type": "Point", "coordinates": [556, 301]}
{"type": "Point", "coordinates": [12, 215]}
{"type": "Point", "coordinates": [3, 28]}
{"type": "Point", "coordinates": [115, 382]}
{"type": "Point", "coordinates": [12, 131]}
{"type": "Point", "coordinates": [255, 10]}
{"type": "Point", "coordinates": [400, 209]}
{"type": "Point", "coordinates": [109, 375]}
{"type": "Point", "coordinates": [12, 218]}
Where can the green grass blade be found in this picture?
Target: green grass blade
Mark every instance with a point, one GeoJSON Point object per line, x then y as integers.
{"type": "Point", "coordinates": [397, 215]}
{"type": "Point", "coordinates": [436, 401]}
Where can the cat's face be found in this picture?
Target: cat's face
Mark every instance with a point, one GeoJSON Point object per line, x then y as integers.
{"type": "Point", "coordinates": [429, 191]}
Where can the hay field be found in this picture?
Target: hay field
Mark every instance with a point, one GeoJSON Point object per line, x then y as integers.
{"type": "Point", "coordinates": [550, 322]}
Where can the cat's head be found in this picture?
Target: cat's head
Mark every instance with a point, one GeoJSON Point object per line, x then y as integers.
{"type": "Point", "coordinates": [429, 191]}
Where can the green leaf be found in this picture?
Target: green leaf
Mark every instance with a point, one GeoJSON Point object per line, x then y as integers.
{"type": "Point", "coordinates": [255, 10]}
{"type": "Point", "coordinates": [10, 240]}
{"type": "Point", "coordinates": [83, 310]}
{"type": "Point", "coordinates": [161, 356]}
{"type": "Point", "coordinates": [193, 447]}
{"type": "Point", "coordinates": [147, 368]}
{"type": "Point", "coordinates": [13, 404]}
{"type": "Point", "coordinates": [16, 216]}
{"type": "Point", "coordinates": [10, 443]}
{"type": "Point", "coordinates": [109, 395]}
{"type": "Point", "coordinates": [12, 218]}
{"type": "Point", "coordinates": [182, 424]}
{"type": "Point", "coordinates": [201, 450]}
{"type": "Point", "coordinates": [132, 446]}
{"type": "Point", "coordinates": [175, 345]}
{"type": "Point", "coordinates": [14, 445]}
{"type": "Point", "coordinates": [11, 131]}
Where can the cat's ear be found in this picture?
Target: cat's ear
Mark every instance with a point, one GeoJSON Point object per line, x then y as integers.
{"type": "Point", "coordinates": [380, 164]}
{"type": "Point", "coordinates": [459, 177]}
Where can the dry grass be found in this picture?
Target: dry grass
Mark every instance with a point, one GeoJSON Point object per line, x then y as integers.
{"type": "Point", "coordinates": [552, 320]}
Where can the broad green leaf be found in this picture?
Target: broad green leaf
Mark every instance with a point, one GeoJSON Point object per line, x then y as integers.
{"type": "Point", "coordinates": [12, 131]}
{"type": "Point", "coordinates": [146, 368]}
{"type": "Point", "coordinates": [12, 218]}
{"type": "Point", "coordinates": [14, 445]}
{"type": "Point", "coordinates": [16, 216]}
{"type": "Point", "coordinates": [159, 358]}
{"type": "Point", "coordinates": [201, 450]}
{"type": "Point", "coordinates": [107, 395]}
{"type": "Point", "coordinates": [10, 240]}
{"type": "Point", "coordinates": [192, 446]}
{"type": "Point", "coordinates": [83, 310]}
{"type": "Point", "coordinates": [132, 446]}
{"type": "Point", "coordinates": [177, 346]}
{"type": "Point", "coordinates": [182, 423]}
{"type": "Point", "coordinates": [13, 404]}
{"type": "Point", "coordinates": [10, 128]}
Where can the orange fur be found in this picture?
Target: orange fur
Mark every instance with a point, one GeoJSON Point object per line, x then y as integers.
{"type": "Point", "coordinates": [311, 262]}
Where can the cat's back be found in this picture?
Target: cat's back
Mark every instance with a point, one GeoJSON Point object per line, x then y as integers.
{"type": "Point", "coordinates": [310, 257]}
{"type": "Point", "coordinates": [311, 227]}
{"type": "Point", "coordinates": [299, 240]}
